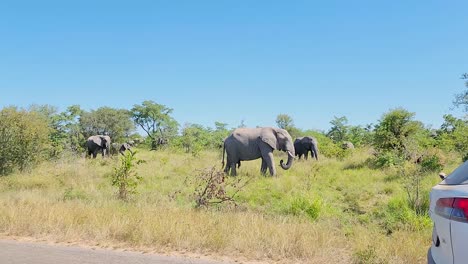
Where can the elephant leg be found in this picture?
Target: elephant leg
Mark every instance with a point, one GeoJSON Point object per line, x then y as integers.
{"type": "Point", "coordinates": [227, 167]}
{"type": "Point", "coordinates": [94, 154]}
{"type": "Point", "coordinates": [268, 157]}
{"type": "Point", "coordinates": [306, 155]}
{"type": "Point", "coordinates": [233, 169]}
{"type": "Point", "coordinates": [264, 167]}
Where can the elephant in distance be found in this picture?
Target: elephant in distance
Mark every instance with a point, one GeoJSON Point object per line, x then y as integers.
{"type": "Point", "coordinates": [98, 144]}
{"type": "Point", "coordinates": [303, 145]}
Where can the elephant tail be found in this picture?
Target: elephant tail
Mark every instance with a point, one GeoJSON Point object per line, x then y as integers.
{"type": "Point", "coordinates": [224, 148]}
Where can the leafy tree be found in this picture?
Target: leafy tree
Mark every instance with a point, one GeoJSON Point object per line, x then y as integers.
{"type": "Point", "coordinates": [397, 131]}
{"type": "Point", "coordinates": [24, 137]}
{"type": "Point", "coordinates": [339, 130]}
{"type": "Point", "coordinates": [57, 135]}
{"type": "Point", "coordinates": [284, 121]}
{"type": "Point", "coordinates": [107, 121]}
{"type": "Point", "coordinates": [359, 135]}
{"type": "Point", "coordinates": [65, 132]}
{"type": "Point", "coordinates": [453, 135]}
{"type": "Point", "coordinates": [156, 120]}
{"type": "Point", "coordinates": [461, 99]}
{"type": "Point", "coordinates": [219, 134]}
{"type": "Point", "coordinates": [195, 138]}
{"type": "Point", "coordinates": [71, 125]}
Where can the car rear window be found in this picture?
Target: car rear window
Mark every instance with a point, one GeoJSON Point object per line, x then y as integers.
{"type": "Point", "coordinates": [458, 176]}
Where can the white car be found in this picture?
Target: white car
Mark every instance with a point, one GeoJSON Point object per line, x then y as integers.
{"type": "Point", "coordinates": [449, 212]}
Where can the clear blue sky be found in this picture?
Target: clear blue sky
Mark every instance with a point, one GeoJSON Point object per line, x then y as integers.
{"type": "Point", "coordinates": [232, 60]}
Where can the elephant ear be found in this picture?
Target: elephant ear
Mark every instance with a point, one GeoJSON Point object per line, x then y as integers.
{"type": "Point", "coordinates": [269, 136]}
{"type": "Point", "coordinates": [103, 141]}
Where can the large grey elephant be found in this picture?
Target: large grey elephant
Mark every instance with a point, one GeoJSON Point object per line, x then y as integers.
{"type": "Point", "coordinates": [254, 143]}
{"type": "Point", "coordinates": [303, 145]}
{"type": "Point", "coordinates": [98, 143]}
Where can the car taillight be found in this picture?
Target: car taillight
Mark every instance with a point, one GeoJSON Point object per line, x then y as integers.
{"type": "Point", "coordinates": [453, 208]}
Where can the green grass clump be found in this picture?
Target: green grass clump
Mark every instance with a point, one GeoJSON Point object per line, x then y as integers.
{"type": "Point", "coordinates": [301, 205]}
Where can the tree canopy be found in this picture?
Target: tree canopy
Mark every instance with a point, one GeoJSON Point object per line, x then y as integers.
{"type": "Point", "coordinates": [156, 120]}
{"type": "Point", "coordinates": [24, 137]}
{"type": "Point", "coordinates": [107, 121]}
{"type": "Point", "coordinates": [461, 99]}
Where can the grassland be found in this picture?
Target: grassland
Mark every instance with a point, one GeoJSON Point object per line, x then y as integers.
{"type": "Point", "coordinates": [328, 211]}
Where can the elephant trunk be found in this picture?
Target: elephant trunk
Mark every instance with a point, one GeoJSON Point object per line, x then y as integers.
{"type": "Point", "coordinates": [315, 151]}
{"type": "Point", "coordinates": [289, 163]}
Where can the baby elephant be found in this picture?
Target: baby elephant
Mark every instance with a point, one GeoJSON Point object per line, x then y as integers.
{"type": "Point", "coordinates": [124, 147]}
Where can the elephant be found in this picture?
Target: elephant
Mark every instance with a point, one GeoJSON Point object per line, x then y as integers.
{"type": "Point", "coordinates": [254, 143]}
{"type": "Point", "coordinates": [303, 145]}
{"type": "Point", "coordinates": [137, 141]}
{"type": "Point", "coordinates": [115, 148]}
{"type": "Point", "coordinates": [98, 143]}
{"type": "Point", "coordinates": [347, 145]}
{"type": "Point", "coordinates": [124, 147]}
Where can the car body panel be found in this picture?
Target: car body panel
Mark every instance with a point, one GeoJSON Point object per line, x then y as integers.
{"type": "Point", "coordinates": [450, 237]}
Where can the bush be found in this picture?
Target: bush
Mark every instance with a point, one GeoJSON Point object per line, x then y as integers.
{"type": "Point", "coordinates": [397, 215]}
{"type": "Point", "coordinates": [397, 130]}
{"type": "Point", "coordinates": [432, 163]}
{"type": "Point", "coordinates": [387, 159]}
{"type": "Point", "coordinates": [24, 139]}
{"type": "Point", "coordinates": [125, 177]}
{"type": "Point", "coordinates": [367, 256]}
{"type": "Point", "coordinates": [213, 187]}
{"type": "Point", "coordinates": [301, 205]}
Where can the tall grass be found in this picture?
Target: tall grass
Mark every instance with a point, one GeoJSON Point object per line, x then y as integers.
{"type": "Point", "coordinates": [328, 211]}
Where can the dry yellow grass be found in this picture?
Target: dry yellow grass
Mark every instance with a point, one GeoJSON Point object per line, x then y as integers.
{"type": "Point", "coordinates": [72, 201]}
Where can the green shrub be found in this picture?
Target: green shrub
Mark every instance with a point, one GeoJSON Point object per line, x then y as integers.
{"type": "Point", "coordinates": [432, 163]}
{"type": "Point", "coordinates": [397, 215]}
{"type": "Point", "coordinates": [72, 194]}
{"type": "Point", "coordinates": [301, 205]}
{"type": "Point", "coordinates": [125, 177]}
{"type": "Point", "coordinates": [367, 256]}
{"type": "Point", "coordinates": [24, 139]}
{"type": "Point", "coordinates": [387, 159]}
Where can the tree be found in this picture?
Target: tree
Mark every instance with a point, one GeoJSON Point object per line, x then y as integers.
{"type": "Point", "coordinates": [396, 131]}
{"type": "Point", "coordinates": [453, 135]}
{"type": "Point", "coordinates": [65, 132]}
{"type": "Point", "coordinates": [461, 99]}
{"type": "Point", "coordinates": [359, 135]}
{"type": "Point", "coordinates": [156, 120]}
{"type": "Point", "coordinates": [57, 135]}
{"type": "Point", "coordinates": [24, 137]}
{"type": "Point", "coordinates": [284, 121]}
{"type": "Point", "coordinates": [195, 138]}
{"type": "Point", "coordinates": [339, 130]}
{"type": "Point", "coordinates": [115, 123]}
{"type": "Point", "coordinates": [71, 125]}
{"type": "Point", "coordinates": [219, 134]}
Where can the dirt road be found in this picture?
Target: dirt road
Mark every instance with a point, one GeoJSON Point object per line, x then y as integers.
{"type": "Point", "coordinates": [15, 252]}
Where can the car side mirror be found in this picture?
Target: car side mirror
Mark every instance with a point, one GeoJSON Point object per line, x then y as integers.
{"type": "Point", "coordinates": [442, 175]}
